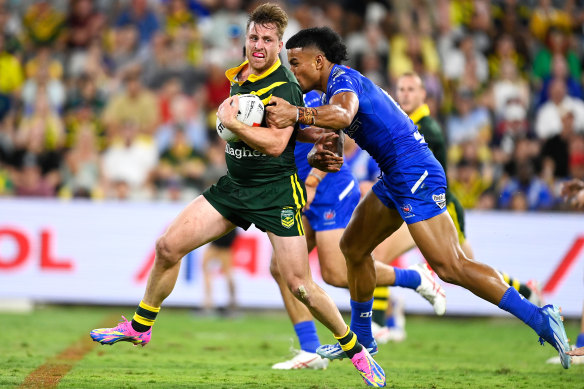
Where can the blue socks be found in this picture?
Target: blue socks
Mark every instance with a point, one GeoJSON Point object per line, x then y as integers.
{"type": "Point", "coordinates": [307, 336]}
{"type": "Point", "coordinates": [361, 314]}
{"type": "Point", "coordinates": [390, 322]}
{"type": "Point", "coordinates": [515, 304]}
{"type": "Point", "coordinates": [407, 278]}
{"type": "Point", "coordinates": [580, 340]}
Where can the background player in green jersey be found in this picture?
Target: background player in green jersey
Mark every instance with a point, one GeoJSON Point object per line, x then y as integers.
{"type": "Point", "coordinates": [261, 188]}
{"type": "Point", "coordinates": [411, 96]}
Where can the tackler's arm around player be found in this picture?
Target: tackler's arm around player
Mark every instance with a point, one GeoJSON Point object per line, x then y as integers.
{"type": "Point", "coordinates": [268, 140]}
{"type": "Point", "coordinates": [337, 114]}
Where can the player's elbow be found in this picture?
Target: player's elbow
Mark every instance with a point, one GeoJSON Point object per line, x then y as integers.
{"type": "Point", "coordinates": [275, 150]}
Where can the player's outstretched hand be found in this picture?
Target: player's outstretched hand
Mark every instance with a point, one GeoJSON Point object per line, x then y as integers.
{"type": "Point", "coordinates": [576, 352]}
{"type": "Point", "coordinates": [280, 113]}
{"type": "Point", "coordinates": [322, 155]}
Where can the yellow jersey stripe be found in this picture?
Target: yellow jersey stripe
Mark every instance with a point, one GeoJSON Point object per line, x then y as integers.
{"type": "Point", "coordinates": [299, 222]}
{"type": "Point", "coordinates": [294, 191]}
{"type": "Point", "coordinates": [266, 100]}
{"type": "Point", "coordinates": [233, 72]}
{"type": "Point", "coordinates": [451, 208]}
{"type": "Point", "coordinates": [300, 189]}
{"type": "Point", "coordinates": [265, 90]}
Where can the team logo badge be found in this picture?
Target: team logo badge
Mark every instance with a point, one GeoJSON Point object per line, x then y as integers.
{"type": "Point", "coordinates": [329, 215]}
{"type": "Point", "coordinates": [287, 217]}
{"type": "Point", "coordinates": [440, 200]}
{"type": "Point", "coordinates": [407, 209]}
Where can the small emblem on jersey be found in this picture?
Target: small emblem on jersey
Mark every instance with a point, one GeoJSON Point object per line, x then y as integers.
{"type": "Point", "coordinates": [440, 200]}
{"type": "Point", "coordinates": [329, 215]}
{"type": "Point", "coordinates": [337, 72]}
{"type": "Point", "coordinates": [407, 211]}
{"type": "Point", "coordinates": [287, 217]}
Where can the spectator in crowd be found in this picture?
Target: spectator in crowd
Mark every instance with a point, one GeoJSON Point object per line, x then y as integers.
{"type": "Point", "coordinates": [470, 122]}
{"type": "Point", "coordinates": [548, 120]}
{"type": "Point", "coordinates": [38, 160]}
{"type": "Point", "coordinates": [556, 151]}
{"type": "Point", "coordinates": [560, 71]}
{"type": "Point", "coordinates": [83, 56]}
{"type": "Point", "coordinates": [44, 25]}
{"type": "Point", "coordinates": [10, 30]}
{"type": "Point", "coordinates": [128, 163]}
{"type": "Point", "coordinates": [44, 77]}
{"type": "Point", "coordinates": [557, 44]}
{"type": "Point", "coordinates": [536, 194]}
{"type": "Point", "coordinates": [83, 25]}
{"type": "Point", "coordinates": [134, 104]}
{"type": "Point", "coordinates": [139, 14]}
{"type": "Point", "coordinates": [228, 18]}
{"type": "Point", "coordinates": [465, 57]}
{"type": "Point", "coordinates": [82, 166]}
{"type": "Point", "coordinates": [11, 78]}
{"type": "Point", "coordinates": [468, 183]}
{"type": "Point", "coordinates": [505, 89]}
{"type": "Point", "coordinates": [181, 24]}
{"type": "Point", "coordinates": [513, 127]}
{"type": "Point", "coordinates": [124, 47]}
{"type": "Point", "coordinates": [546, 17]}
{"type": "Point", "coordinates": [180, 167]}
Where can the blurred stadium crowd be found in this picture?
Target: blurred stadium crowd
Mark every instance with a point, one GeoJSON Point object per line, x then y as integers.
{"type": "Point", "coordinates": [117, 99]}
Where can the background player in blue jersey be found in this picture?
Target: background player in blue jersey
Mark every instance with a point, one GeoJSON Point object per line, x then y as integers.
{"type": "Point", "coordinates": [331, 199]}
{"type": "Point", "coordinates": [412, 189]}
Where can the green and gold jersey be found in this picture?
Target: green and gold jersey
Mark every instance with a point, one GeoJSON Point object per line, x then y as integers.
{"type": "Point", "coordinates": [249, 167]}
{"type": "Point", "coordinates": [432, 133]}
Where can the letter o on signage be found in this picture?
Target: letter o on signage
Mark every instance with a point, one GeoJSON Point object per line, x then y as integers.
{"type": "Point", "coordinates": [22, 248]}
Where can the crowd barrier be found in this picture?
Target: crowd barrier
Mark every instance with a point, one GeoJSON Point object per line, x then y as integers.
{"type": "Point", "coordinates": [101, 252]}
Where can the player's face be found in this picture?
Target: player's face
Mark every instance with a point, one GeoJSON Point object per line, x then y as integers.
{"type": "Point", "coordinates": [410, 93]}
{"type": "Point", "coordinates": [305, 65]}
{"type": "Point", "coordinates": [262, 46]}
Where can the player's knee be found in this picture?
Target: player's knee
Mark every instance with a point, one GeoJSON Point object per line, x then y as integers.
{"type": "Point", "coordinates": [351, 250]}
{"type": "Point", "coordinates": [274, 271]}
{"type": "Point", "coordinates": [165, 253]}
{"type": "Point", "coordinates": [449, 270]}
{"type": "Point", "coordinates": [333, 278]}
{"type": "Point", "coordinates": [300, 291]}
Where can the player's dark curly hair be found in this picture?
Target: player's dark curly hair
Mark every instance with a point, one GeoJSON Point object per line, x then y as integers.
{"type": "Point", "coordinates": [323, 38]}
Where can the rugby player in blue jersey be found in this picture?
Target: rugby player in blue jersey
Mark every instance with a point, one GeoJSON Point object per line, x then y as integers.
{"type": "Point", "coordinates": [330, 201]}
{"type": "Point", "coordinates": [412, 188]}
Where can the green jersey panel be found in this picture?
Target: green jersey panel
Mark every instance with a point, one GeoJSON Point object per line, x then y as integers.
{"type": "Point", "coordinates": [249, 167]}
{"type": "Point", "coordinates": [433, 135]}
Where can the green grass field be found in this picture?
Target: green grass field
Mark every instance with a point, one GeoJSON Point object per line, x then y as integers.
{"type": "Point", "coordinates": [51, 348]}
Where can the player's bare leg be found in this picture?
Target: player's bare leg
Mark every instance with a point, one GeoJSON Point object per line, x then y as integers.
{"type": "Point", "coordinates": [438, 241]}
{"type": "Point", "coordinates": [197, 224]}
{"type": "Point", "coordinates": [370, 224]}
{"type": "Point", "coordinates": [291, 254]}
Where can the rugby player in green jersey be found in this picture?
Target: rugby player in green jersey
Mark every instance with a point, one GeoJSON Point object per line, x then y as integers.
{"type": "Point", "coordinates": [261, 188]}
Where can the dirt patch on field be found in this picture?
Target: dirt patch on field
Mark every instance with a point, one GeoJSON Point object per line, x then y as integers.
{"type": "Point", "coordinates": [55, 368]}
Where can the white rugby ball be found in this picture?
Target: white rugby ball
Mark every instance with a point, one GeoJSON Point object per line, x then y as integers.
{"type": "Point", "coordinates": [251, 112]}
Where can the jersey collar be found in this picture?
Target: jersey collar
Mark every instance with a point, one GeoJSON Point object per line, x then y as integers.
{"type": "Point", "coordinates": [232, 73]}
{"type": "Point", "coordinates": [421, 112]}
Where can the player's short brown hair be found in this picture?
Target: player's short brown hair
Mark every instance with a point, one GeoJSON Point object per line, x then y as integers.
{"type": "Point", "coordinates": [269, 13]}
